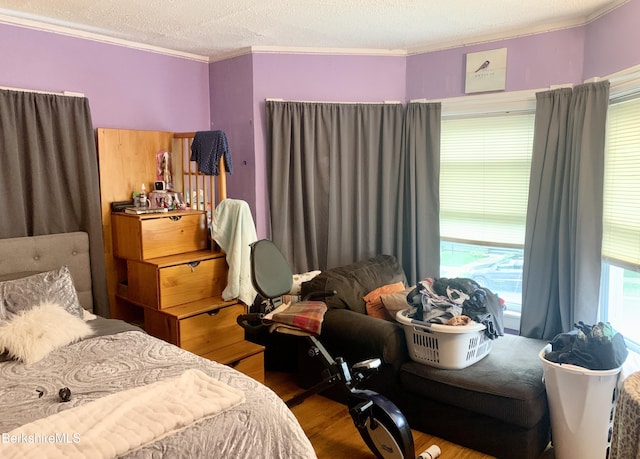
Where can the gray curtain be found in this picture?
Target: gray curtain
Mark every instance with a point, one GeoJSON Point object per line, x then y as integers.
{"type": "Point", "coordinates": [49, 175]}
{"type": "Point", "coordinates": [334, 180]}
{"type": "Point", "coordinates": [419, 206]}
{"type": "Point", "coordinates": [563, 238]}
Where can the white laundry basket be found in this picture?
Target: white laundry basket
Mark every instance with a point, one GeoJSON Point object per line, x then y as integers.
{"type": "Point", "coordinates": [581, 404]}
{"type": "Point", "coordinates": [444, 346]}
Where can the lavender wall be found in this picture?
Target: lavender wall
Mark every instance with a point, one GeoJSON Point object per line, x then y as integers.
{"type": "Point", "coordinates": [572, 55]}
{"type": "Point", "coordinates": [337, 78]}
{"type": "Point", "coordinates": [534, 61]}
{"type": "Point", "coordinates": [240, 86]}
{"type": "Point", "coordinates": [126, 88]}
{"type": "Point", "coordinates": [321, 77]}
{"type": "Point", "coordinates": [611, 41]}
{"type": "Point", "coordinates": [232, 112]}
{"type": "Point", "coordinates": [136, 89]}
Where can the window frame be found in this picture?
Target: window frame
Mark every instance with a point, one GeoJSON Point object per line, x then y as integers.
{"type": "Point", "coordinates": [513, 102]}
{"type": "Point", "coordinates": [624, 84]}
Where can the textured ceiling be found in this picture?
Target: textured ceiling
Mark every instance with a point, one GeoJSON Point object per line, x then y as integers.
{"type": "Point", "coordinates": [218, 28]}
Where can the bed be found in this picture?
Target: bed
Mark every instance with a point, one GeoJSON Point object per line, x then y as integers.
{"type": "Point", "coordinates": [131, 394]}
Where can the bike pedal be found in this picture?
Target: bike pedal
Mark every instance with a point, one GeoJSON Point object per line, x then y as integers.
{"type": "Point", "coordinates": [362, 407]}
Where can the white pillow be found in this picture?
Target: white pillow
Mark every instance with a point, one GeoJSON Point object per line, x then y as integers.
{"type": "Point", "coordinates": [298, 279]}
{"type": "Point", "coordinates": [32, 334]}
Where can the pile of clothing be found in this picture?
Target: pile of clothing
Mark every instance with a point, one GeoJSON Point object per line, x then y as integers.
{"type": "Point", "coordinates": [596, 347]}
{"type": "Point", "coordinates": [456, 301]}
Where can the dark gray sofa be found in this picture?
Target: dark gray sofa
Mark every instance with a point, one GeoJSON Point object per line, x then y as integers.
{"type": "Point", "coordinates": [497, 406]}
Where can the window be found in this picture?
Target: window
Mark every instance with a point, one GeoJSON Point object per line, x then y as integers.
{"type": "Point", "coordinates": [620, 287]}
{"type": "Point", "coordinates": [484, 185]}
{"type": "Point", "coordinates": [497, 268]}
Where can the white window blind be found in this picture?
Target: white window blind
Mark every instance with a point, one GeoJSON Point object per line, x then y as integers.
{"type": "Point", "coordinates": [484, 178]}
{"type": "Point", "coordinates": [621, 220]}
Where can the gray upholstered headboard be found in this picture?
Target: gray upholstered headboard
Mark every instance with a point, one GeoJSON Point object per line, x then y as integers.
{"type": "Point", "coordinates": [45, 253]}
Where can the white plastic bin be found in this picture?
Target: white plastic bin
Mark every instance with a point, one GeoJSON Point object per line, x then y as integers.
{"type": "Point", "coordinates": [444, 346]}
{"type": "Point", "coordinates": [581, 404]}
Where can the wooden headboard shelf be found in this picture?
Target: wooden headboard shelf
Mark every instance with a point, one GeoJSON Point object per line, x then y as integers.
{"type": "Point", "coordinates": [127, 158]}
{"type": "Point", "coordinates": [190, 175]}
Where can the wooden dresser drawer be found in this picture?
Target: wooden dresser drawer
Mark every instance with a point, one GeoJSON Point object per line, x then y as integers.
{"type": "Point", "coordinates": [170, 281]}
{"type": "Point", "coordinates": [244, 356]}
{"type": "Point", "coordinates": [200, 327]}
{"type": "Point", "coordinates": [142, 237]}
{"type": "Point", "coordinates": [191, 281]}
{"type": "Point", "coordinates": [211, 330]}
{"type": "Point", "coordinates": [252, 366]}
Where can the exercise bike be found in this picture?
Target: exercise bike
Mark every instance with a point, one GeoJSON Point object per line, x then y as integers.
{"type": "Point", "coordinates": [380, 423]}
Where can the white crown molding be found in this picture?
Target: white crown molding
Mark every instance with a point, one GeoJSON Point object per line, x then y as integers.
{"type": "Point", "coordinates": [311, 51]}
{"type": "Point", "coordinates": [30, 24]}
{"type": "Point", "coordinates": [498, 36]}
{"type": "Point", "coordinates": [607, 9]}
{"type": "Point", "coordinates": [37, 25]}
{"type": "Point", "coordinates": [327, 51]}
{"type": "Point", "coordinates": [518, 33]}
{"type": "Point", "coordinates": [231, 54]}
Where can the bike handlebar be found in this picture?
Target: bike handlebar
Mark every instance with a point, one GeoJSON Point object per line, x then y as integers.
{"type": "Point", "coordinates": [251, 322]}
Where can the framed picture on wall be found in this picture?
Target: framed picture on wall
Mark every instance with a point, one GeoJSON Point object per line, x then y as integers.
{"type": "Point", "coordinates": [486, 71]}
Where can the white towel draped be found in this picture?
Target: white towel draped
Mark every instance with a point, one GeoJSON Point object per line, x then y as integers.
{"type": "Point", "coordinates": [234, 230]}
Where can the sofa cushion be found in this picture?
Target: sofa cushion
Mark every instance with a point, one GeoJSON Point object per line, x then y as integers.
{"type": "Point", "coordinates": [394, 302]}
{"type": "Point", "coordinates": [352, 282]}
{"type": "Point", "coordinates": [373, 300]}
{"type": "Point", "coordinates": [506, 385]}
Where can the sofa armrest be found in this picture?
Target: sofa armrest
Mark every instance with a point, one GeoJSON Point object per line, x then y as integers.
{"type": "Point", "coordinates": [355, 337]}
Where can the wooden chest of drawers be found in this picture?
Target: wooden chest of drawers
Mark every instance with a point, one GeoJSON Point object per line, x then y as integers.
{"type": "Point", "coordinates": [245, 356]}
{"type": "Point", "coordinates": [140, 237]}
{"type": "Point", "coordinates": [177, 284]}
{"type": "Point", "coordinates": [165, 282]}
{"type": "Point", "coordinates": [190, 326]}
{"type": "Point", "coordinates": [208, 328]}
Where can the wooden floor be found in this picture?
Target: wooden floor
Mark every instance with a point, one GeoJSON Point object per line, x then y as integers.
{"type": "Point", "coordinates": [329, 426]}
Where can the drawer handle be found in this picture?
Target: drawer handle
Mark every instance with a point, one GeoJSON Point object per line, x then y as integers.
{"type": "Point", "coordinates": [193, 265]}
{"type": "Point", "coordinates": [215, 312]}
{"type": "Point", "coordinates": [175, 218]}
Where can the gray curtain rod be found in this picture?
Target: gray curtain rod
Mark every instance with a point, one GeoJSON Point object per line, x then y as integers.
{"type": "Point", "coordinates": [331, 102]}
{"type": "Point", "coordinates": [63, 93]}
